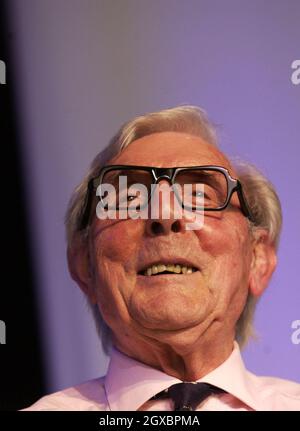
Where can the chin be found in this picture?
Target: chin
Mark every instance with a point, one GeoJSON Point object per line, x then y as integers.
{"type": "Point", "coordinates": [181, 333]}
{"type": "Point", "coordinates": [169, 320]}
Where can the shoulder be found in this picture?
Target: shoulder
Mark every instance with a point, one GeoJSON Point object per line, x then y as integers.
{"type": "Point", "coordinates": [275, 393]}
{"type": "Point", "coordinates": [89, 395]}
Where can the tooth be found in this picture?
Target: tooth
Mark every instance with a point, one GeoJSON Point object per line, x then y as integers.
{"type": "Point", "coordinates": [154, 269]}
{"type": "Point", "coordinates": [161, 268]}
{"type": "Point", "coordinates": [170, 268]}
{"type": "Point", "coordinates": [177, 269]}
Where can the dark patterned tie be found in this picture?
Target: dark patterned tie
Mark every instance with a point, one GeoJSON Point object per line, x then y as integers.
{"type": "Point", "coordinates": [186, 396]}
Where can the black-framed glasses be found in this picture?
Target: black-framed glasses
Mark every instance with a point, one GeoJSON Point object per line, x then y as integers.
{"type": "Point", "coordinates": [207, 188]}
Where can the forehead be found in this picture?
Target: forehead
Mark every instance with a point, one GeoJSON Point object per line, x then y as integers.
{"type": "Point", "coordinates": [168, 149]}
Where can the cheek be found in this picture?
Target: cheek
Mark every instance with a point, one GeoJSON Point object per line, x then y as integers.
{"type": "Point", "coordinates": [118, 243]}
{"type": "Point", "coordinates": [220, 236]}
{"type": "Point", "coordinates": [115, 250]}
{"type": "Point", "coordinates": [227, 241]}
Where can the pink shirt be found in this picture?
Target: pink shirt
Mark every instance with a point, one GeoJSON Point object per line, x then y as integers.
{"type": "Point", "coordinates": [129, 384]}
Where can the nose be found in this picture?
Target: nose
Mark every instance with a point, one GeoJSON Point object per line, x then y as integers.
{"type": "Point", "coordinates": [163, 215]}
{"type": "Point", "coordinates": [156, 228]}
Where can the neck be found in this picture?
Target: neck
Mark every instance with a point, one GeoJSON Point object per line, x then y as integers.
{"type": "Point", "coordinates": [187, 362]}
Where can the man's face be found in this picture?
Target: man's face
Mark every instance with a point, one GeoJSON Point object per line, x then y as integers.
{"type": "Point", "coordinates": [171, 306]}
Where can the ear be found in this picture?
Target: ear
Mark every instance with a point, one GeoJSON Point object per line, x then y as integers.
{"type": "Point", "coordinates": [80, 268]}
{"type": "Point", "coordinates": [264, 261]}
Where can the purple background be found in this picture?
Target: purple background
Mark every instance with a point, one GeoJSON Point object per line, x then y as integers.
{"type": "Point", "coordinates": [87, 66]}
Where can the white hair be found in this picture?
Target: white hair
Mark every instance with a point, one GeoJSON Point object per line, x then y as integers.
{"type": "Point", "coordinates": [260, 194]}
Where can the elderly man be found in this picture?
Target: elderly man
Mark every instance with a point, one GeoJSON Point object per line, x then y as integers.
{"type": "Point", "coordinates": [173, 298]}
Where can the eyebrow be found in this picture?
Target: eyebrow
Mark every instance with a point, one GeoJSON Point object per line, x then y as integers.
{"type": "Point", "coordinates": [135, 175]}
{"type": "Point", "coordinates": [207, 177]}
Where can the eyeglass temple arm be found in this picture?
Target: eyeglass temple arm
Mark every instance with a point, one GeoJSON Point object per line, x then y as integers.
{"type": "Point", "coordinates": [86, 211]}
{"type": "Point", "coordinates": [244, 204]}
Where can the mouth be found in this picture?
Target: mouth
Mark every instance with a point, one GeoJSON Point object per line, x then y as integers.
{"type": "Point", "coordinates": [164, 268]}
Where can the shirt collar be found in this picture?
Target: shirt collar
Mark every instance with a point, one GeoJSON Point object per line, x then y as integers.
{"type": "Point", "coordinates": [130, 383]}
{"type": "Point", "coordinates": [233, 377]}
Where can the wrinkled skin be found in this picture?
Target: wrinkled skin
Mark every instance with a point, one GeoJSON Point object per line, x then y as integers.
{"type": "Point", "coordinates": [181, 324]}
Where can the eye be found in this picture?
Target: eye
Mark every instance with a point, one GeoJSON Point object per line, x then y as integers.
{"type": "Point", "coordinates": [198, 194]}
{"type": "Point", "coordinates": [131, 197]}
